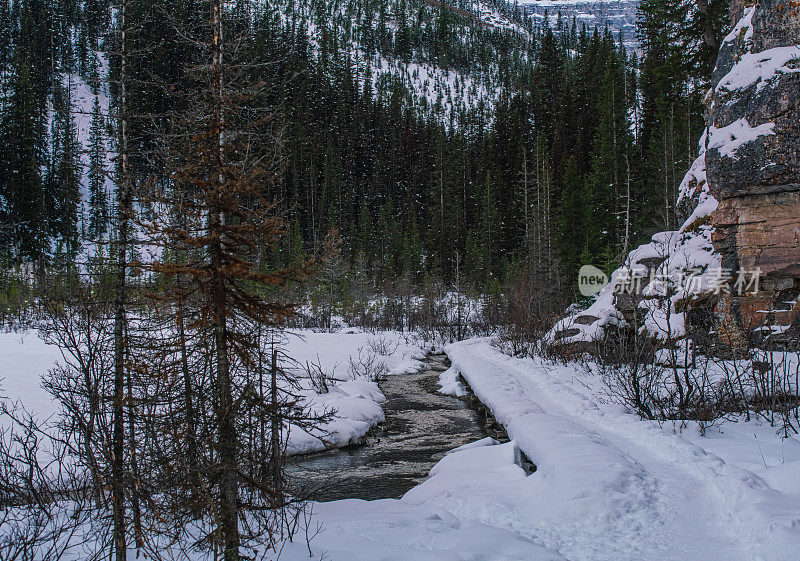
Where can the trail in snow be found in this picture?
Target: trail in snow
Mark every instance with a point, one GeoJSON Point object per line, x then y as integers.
{"type": "Point", "coordinates": [610, 486]}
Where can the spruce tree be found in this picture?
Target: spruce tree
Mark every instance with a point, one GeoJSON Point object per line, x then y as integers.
{"type": "Point", "coordinates": [607, 182]}
{"type": "Point", "coordinates": [63, 184]}
{"type": "Point", "coordinates": [223, 155]}
{"type": "Point", "coordinates": [98, 197]}
{"type": "Point", "coordinates": [548, 81]}
{"type": "Point", "coordinates": [6, 35]}
{"type": "Point", "coordinates": [24, 216]}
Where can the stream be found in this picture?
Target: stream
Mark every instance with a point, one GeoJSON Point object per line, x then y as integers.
{"type": "Point", "coordinates": [421, 426]}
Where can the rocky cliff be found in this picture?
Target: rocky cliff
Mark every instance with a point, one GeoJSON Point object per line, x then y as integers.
{"type": "Point", "coordinates": [618, 15]}
{"type": "Point", "coordinates": [753, 158]}
{"type": "Point", "coordinates": [745, 191]}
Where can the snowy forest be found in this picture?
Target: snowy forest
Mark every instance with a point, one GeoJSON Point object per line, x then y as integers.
{"type": "Point", "coordinates": [531, 148]}
{"type": "Point", "coordinates": [399, 279]}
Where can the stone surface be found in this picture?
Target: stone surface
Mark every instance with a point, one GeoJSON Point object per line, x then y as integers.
{"type": "Point", "coordinates": [757, 223]}
{"type": "Point", "coordinates": [766, 233]}
{"type": "Point", "coordinates": [619, 16]}
{"type": "Point", "coordinates": [776, 23]}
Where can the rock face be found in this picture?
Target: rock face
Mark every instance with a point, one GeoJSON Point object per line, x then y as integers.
{"type": "Point", "coordinates": [618, 15]}
{"type": "Point", "coordinates": [753, 157]}
{"type": "Point", "coordinates": [744, 188]}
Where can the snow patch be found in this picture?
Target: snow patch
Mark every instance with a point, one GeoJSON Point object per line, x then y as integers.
{"type": "Point", "coordinates": [449, 383]}
{"type": "Point", "coordinates": [727, 140]}
{"type": "Point", "coordinates": [761, 68]}
{"type": "Point", "coordinates": [744, 24]}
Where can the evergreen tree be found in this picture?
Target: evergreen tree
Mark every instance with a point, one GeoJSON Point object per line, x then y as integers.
{"type": "Point", "coordinates": [607, 184]}
{"type": "Point", "coordinates": [6, 35]}
{"type": "Point", "coordinates": [402, 41]}
{"type": "Point", "coordinates": [220, 181]}
{"type": "Point", "coordinates": [548, 81]}
{"type": "Point", "coordinates": [98, 197]}
{"type": "Point", "coordinates": [369, 153]}
{"type": "Point", "coordinates": [22, 201]}
{"type": "Point", "coordinates": [573, 239]}
{"type": "Point", "coordinates": [671, 108]}
{"type": "Point", "coordinates": [63, 181]}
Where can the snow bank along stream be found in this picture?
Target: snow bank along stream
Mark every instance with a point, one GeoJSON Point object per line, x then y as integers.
{"type": "Point", "coordinates": [421, 426]}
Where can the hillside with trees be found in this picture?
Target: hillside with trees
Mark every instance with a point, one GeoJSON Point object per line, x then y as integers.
{"type": "Point", "coordinates": [435, 143]}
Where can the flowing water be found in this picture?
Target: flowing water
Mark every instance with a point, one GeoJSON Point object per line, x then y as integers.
{"type": "Point", "coordinates": [421, 426]}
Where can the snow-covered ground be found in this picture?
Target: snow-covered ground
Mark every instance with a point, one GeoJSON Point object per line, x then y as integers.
{"type": "Point", "coordinates": [24, 358]}
{"type": "Point", "coordinates": [354, 400]}
{"type": "Point", "coordinates": [608, 485]}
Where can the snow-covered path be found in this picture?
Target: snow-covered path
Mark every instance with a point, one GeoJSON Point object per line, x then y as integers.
{"type": "Point", "coordinates": [609, 486]}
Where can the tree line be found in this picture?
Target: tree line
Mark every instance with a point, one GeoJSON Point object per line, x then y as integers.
{"type": "Point", "coordinates": [575, 161]}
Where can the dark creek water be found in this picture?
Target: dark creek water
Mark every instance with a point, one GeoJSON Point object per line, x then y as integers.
{"type": "Point", "coordinates": [421, 425]}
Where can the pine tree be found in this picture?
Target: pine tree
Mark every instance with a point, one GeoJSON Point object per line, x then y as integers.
{"type": "Point", "coordinates": [98, 197]}
{"type": "Point", "coordinates": [548, 80]}
{"type": "Point", "coordinates": [703, 37]}
{"type": "Point", "coordinates": [412, 255]}
{"type": "Point", "coordinates": [124, 179]}
{"type": "Point", "coordinates": [63, 182]}
{"type": "Point", "coordinates": [223, 157]}
{"type": "Point", "coordinates": [607, 183]}
{"type": "Point", "coordinates": [572, 239]}
{"type": "Point", "coordinates": [22, 200]}
{"type": "Point", "coordinates": [402, 40]}
{"type": "Point", "coordinates": [365, 246]}
{"type": "Point", "coordinates": [671, 119]}
{"type": "Point", "coordinates": [6, 35]}
{"type": "Point", "coordinates": [39, 41]}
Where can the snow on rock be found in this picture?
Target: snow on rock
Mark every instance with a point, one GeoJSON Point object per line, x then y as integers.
{"type": "Point", "coordinates": [618, 16]}
{"type": "Point", "coordinates": [449, 383]}
{"type": "Point", "coordinates": [694, 183]}
{"type": "Point", "coordinates": [761, 68]}
{"type": "Point", "coordinates": [689, 266]}
{"type": "Point", "coordinates": [679, 264]}
{"type": "Point", "coordinates": [744, 24]}
{"type": "Point", "coordinates": [354, 401]}
{"type": "Point", "coordinates": [752, 161]}
{"type": "Point", "coordinates": [493, 17]}
{"type": "Point", "coordinates": [356, 409]}
{"type": "Point", "coordinates": [727, 140]}
{"type": "Point", "coordinates": [601, 313]}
